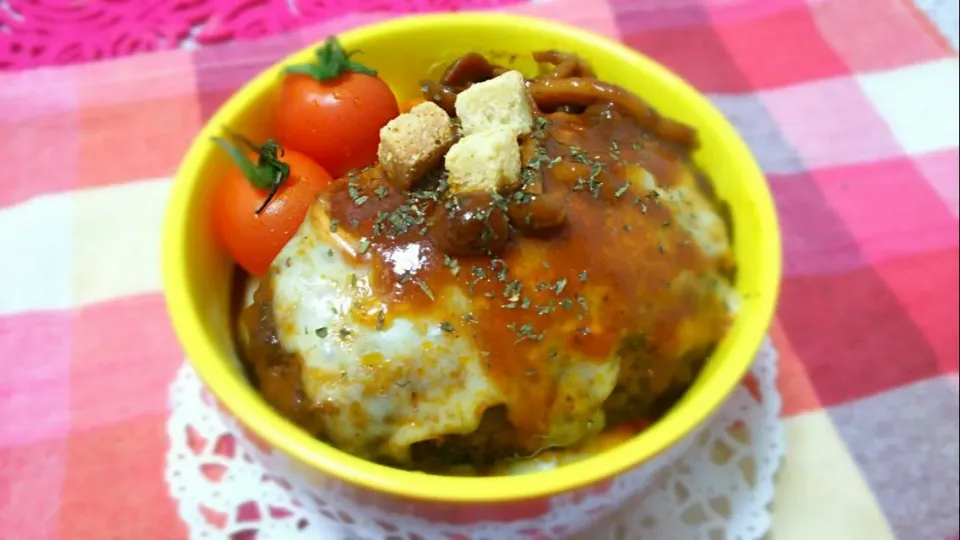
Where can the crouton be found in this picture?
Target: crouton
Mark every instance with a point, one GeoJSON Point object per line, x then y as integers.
{"type": "Point", "coordinates": [499, 102]}
{"type": "Point", "coordinates": [484, 162]}
{"type": "Point", "coordinates": [414, 143]}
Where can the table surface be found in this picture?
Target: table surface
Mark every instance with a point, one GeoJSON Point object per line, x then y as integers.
{"type": "Point", "coordinates": [850, 107]}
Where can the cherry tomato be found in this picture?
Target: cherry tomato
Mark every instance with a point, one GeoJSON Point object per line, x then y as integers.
{"type": "Point", "coordinates": [257, 208]}
{"type": "Point", "coordinates": [332, 110]}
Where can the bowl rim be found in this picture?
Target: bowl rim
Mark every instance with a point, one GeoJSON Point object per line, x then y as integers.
{"type": "Point", "coordinates": [243, 402]}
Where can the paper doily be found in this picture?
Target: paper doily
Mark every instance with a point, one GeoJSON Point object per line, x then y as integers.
{"type": "Point", "coordinates": [720, 487]}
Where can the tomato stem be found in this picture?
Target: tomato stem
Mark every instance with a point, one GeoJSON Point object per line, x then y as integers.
{"type": "Point", "coordinates": [332, 62]}
{"type": "Point", "coordinates": [268, 173]}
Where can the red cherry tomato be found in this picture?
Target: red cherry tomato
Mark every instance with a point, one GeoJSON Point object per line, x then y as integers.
{"type": "Point", "coordinates": [254, 224]}
{"type": "Point", "coordinates": [332, 110]}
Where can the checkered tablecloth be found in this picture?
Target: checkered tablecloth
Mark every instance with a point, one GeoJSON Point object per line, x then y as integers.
{"type": "Point", "coordinates": [850, 106]}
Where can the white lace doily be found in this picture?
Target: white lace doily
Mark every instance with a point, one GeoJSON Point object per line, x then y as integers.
{"type": "Point", "coordinates": [720, 487]}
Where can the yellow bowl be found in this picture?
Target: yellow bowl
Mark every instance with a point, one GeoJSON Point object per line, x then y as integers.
{"type": "Point", "coordinates": [197, 274]}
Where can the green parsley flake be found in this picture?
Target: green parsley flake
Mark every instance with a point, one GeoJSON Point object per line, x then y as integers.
{"type": "Point", "coordinates": [512, 290]}
{"type": "Point", "coordinates": [502, 273]}
{"type": "Point", "coordinates": [381, 318]}
{"type": "Point", "coordinates": [622, 189]}
{"type": "Point", "coordinates": [452, 264]}
{"type": "Point", "coordinates": [425, 289]}
{"type": "Point", "coordinates": [471, 285]}
{"type": "Point", "coordinates": [561, 284]}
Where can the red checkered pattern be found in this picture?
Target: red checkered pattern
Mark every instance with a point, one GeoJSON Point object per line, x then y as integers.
{"type": "Point", "coordinates": [850, 107]}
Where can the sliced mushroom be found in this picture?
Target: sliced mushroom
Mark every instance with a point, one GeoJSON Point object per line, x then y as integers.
{"type": "Point", "coordinates": [469, 224]}
{"type": "Point", "coordinates": [538, 213]}
{"type": "Point", "coordinates": [566, 65]}
{"type": "Point", "coordinates": [443, 96]}
{"type": "Point", "coordinates": [554, 94]}
{"type": "Point", "coordinates": [466, 70]}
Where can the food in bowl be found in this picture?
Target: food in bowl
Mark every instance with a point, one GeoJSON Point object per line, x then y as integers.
{"type": "Point", "coordinates": [523, 265]}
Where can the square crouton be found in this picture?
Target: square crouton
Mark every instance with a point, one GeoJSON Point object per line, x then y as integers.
{"type": "Point", "coordinates": [414, 143]}
{"type": "Point", "coordinates": [500, 102]}
{"type": "Point", "coordinates": [484, 162]}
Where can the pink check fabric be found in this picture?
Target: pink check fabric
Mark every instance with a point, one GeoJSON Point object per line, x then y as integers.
{"type": "Point", "coordinates": [850, 107]}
